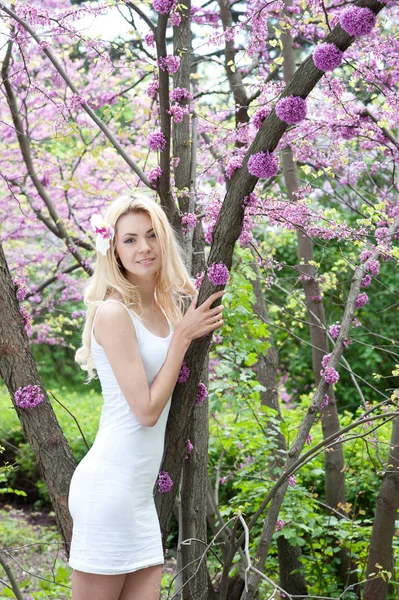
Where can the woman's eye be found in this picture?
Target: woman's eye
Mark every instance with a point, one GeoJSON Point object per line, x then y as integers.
{"type": "Point", "coordinates": [153, 235]}
{"type": "Point", "coordinates": [129, 240]}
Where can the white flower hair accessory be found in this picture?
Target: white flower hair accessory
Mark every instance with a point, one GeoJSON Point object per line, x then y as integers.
{"type": "Point", "coordinates": [105, 233]}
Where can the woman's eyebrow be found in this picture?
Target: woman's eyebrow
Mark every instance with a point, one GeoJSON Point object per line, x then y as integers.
{"type": "Point", "coordinates": [135, 234]}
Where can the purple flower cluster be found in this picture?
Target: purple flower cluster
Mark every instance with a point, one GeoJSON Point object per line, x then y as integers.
{"type": "Point", "coordinates": [199, 278]}
{"type": "Point", "coordinates": [279, 525]}
{"type": "Point", "coordinates": [28, 396]}
{"type": "Point", "coordinates": [76, 101]}
{"type": "Point", "coordinates": [361, 300]}
{"type": "Point", "coordinates": [179, 94]}
{"type": "Point", "coordinates": [156, 140]}
{"type": "Point", "coordinates": [234, 164]}
{"type": "Point", "coordinates": [149, 38]}
{"type": "Point", "coordinates": [154, 175]}
{"type": "Point", "coordinates": [373, 267]}
{"type": "Point", "coordinates": [169, 63]}
{"type": "Point", "coordinates": [334, 331]}
{"type": "Point", "coordinates": [357, 21]}
{"type": "Point", "coordinates": [189, 449]}
{"type": "Point", "coordinates": [381, 232]}
{"type": "Point", "coordinates": [153, 88]}
{"type": "Point", "coordinates": [177, 112]}
{"type": "Point", "coordinates": [202, 393]}
{"type": "Point", "coordinates": [292, 480]}
{"type": "Point", "coordinates": [165, 482]}
{"type": "Point", "coordinates": [327, 57]}
{"type": "Point", "coordinates": [184, 373]}
{"type": "Point", "coordinates": [260, 116]}
{"type": "Point", "coordinates": [188, 222]}
{"type": "Point", "coordinates": [324, 402]}
{"type": "Point", "coordinates": [365, 255]}
{"type": "Point", "coordinates": [308, 439]}
{"type": "Point", "coordinates": [218, 273]}
{"type": "Point", "coordinates": [175, 19]}
{"type": "Point", "coordinates": [26, 317]}
{"type": "Point", "coordinates": [324, 360]}
{"type": "Point", "coordinates": [291, 109]}
{"type": "Point", "coordinates": [365, 282]}
{"type": "Point", "coordinates": [21, 289]}
{"type": "Point", "coordinates": [163, 6]}
{"type": "Point", "coordinates": [330, 375]}
{"type": "Point", "coordinates": [263, 164]}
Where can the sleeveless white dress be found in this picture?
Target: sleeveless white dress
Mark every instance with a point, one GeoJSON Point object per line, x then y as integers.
{"type": "Point", "coordinates": [115, 523]}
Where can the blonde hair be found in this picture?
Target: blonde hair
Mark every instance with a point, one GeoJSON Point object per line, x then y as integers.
{"type": "Point", "coordinates": [173, 282]}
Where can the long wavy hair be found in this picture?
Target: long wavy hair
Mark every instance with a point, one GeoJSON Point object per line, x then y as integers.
{"type": "Point", "coordinates": [173, 282]}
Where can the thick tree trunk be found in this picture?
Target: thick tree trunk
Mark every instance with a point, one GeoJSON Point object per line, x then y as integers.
{"type": "Point", "coordinates": [386, 513]}
{"type": "Point", "coordinates": [195, 467]}
{"type": "Point", "coordinates": [17, 369]}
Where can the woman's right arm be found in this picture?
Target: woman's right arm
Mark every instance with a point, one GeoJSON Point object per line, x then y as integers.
{"type": "Point", "coordinates": [115, 331]}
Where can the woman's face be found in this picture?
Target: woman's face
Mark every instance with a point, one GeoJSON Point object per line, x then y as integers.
{"type": "Point", "coordinates": [137, 246]}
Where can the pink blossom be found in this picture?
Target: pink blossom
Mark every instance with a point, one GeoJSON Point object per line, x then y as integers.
{"type": "Point", "coordinates": [361, 300]}
{"type": "Point", "coordinates": [175, 19]}
{"type": "Point", "coordinates": [165, 482]}
{"type": "Point", "coordinates": [291, 109]}
{"type": "Point", "coordinates": [189, 221]}
{"type": "Point", "coordinates": [179, 94]}
{"type": "Point", "coordinates": [189, 449]}
{"type": "Point", "coordinates": [156, 140]}
{"type": "Point", "coordinates": [324, 360]}
{"type": "Point", "coordinates": [263, 165]}
{"type": "Point", "coordinates": [234, 164]}
{"type": "Point", "coordinates": [324, 402]}
{"type": "Point", "coordinates": [169, 63]}
{"type": "Point", "coordinates": [357, 21]}
{"type": "Point", "coordinates": [373, 267]}
{"type": "Point", "coordinates": [279, 525]}
{"type": "Point", "coordinates": [154, 175]}
{"type": "Point", "coordinates": [365, 282]}
{"type": "Point", "coordinates": [202, 393]}
{"type": "Point", "coordinates": [334, 331]}
{"type": "Point", "coordinates": [163, 6]}
{"type": "Point", "coordinates": [327, 57]}
{"type": "Point", "coordinates": [260, 116]}
{"type": "Point", "coordinates": [28, 396]}
{"type": "Point", "coordinates": [292, 480]}
{"type": "Point", "coordinates": [199, 278]}
{"type": "Point", "coordinates": [330, 375]}
{"type": "Point", "coordinates": [184, 373]}
{"type": "Point", "coordinates": [152, 90]}
{"type": "Point", "coordinates": [218, 273]}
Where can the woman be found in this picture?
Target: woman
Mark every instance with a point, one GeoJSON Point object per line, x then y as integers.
{"type": "Point", "coordinates": [133, 298]}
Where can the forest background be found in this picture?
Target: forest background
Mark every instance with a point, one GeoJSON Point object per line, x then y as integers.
{"type": "Point", "coordinates": [269, 133]}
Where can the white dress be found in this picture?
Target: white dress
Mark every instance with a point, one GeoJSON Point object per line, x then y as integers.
{"type": "Point", "coordinates": [115, 523]}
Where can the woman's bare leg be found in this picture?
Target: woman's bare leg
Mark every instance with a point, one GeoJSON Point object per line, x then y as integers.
{"type": "Point", "coordinates": [144, 584]}
{"type": "Point", "coordinates": [88, 586]}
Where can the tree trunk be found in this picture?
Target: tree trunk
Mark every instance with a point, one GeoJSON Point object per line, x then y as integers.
{"type": "Point", "coordinates": [41, 429]}
{"type": "Point", "coordinates": [380, 551]}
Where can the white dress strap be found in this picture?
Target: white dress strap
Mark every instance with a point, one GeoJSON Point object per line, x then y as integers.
{"type": "Point", "coordinates": [98, 308]}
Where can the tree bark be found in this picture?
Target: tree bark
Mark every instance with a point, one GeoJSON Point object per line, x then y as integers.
{"type": "Point", "coordinates": [41, 429]}
{"type": "Point", "coordinates": [380, 551]}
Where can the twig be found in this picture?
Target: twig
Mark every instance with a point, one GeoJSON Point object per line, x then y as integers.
{"type": "Point", "coordinates": [73, 417]}
{"type": "Point", "coordinates": [14, 585]}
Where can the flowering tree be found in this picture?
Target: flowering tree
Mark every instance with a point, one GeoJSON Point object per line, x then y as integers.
{"type": "Point", "coordinates": [82, 117]}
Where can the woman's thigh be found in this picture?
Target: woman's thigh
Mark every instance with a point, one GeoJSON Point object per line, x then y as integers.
{"type": "Point", "coordinates": [144, 584]}
{"type": "Point", "coordinates": [87, 586]}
